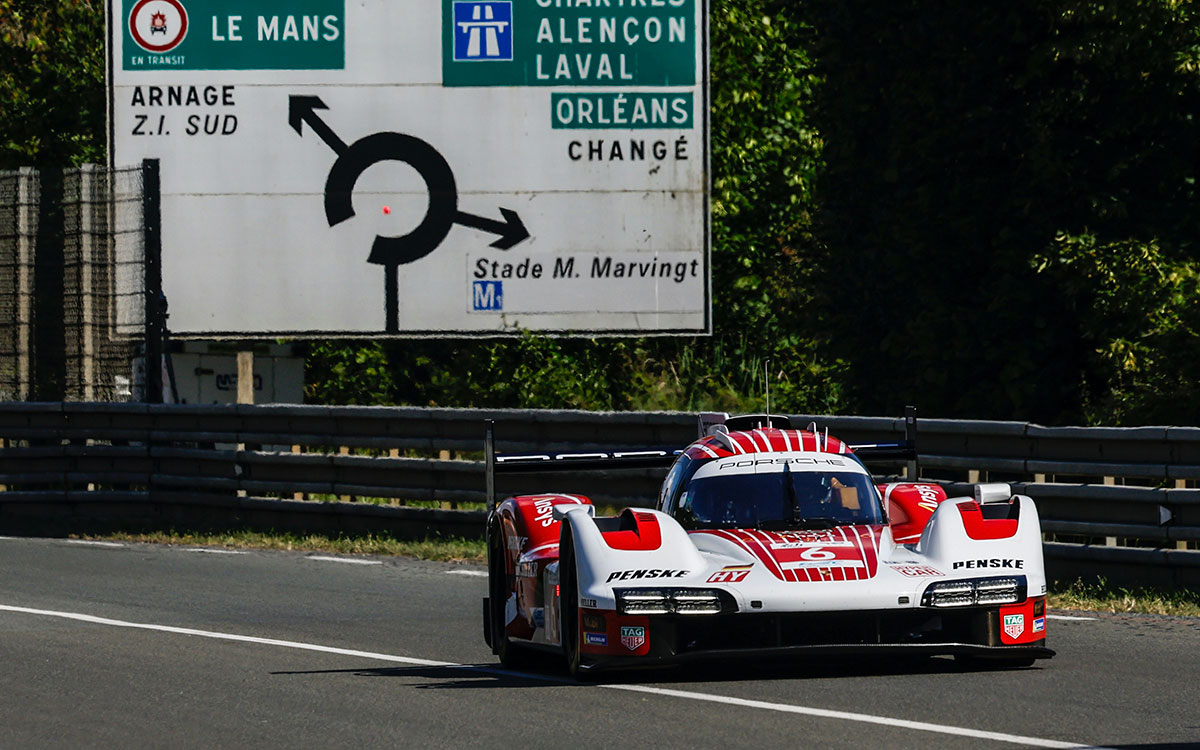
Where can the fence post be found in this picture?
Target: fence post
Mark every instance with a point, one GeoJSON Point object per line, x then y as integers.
{"type": "Point", "coordinates": [27, 188]}
{"type": "Point", "coordinates": [87, 302]}
{"type": "Point", "coordinates": [49, 331]}
{"type": "Point", "coordinates": [152, 239]}
{"type": "Point", "coordinates": [245, 377]}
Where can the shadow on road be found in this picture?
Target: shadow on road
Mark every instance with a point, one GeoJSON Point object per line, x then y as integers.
{"type": "Point", "coordinates": [453, 676]}
{"type": "Point", "coordinates": [547, 670]}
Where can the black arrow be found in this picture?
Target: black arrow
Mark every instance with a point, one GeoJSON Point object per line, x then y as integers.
{"type": "Point", "coordinates": [301, 109]}
{"type": "Point", "coordinates": [512, 230]}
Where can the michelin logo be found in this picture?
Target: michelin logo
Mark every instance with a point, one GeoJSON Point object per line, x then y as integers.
{"type": "Point", "coordinates": [483, 31]}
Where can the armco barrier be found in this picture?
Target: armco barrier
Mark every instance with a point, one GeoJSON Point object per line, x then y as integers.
{"type": "Point", "coordinates": [184, 465]}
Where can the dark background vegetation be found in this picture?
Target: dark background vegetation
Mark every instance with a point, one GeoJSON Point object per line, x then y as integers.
{"type": "Point", "coordinates": [988, 209]}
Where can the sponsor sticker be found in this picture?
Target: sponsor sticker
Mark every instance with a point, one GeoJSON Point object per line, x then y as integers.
{"type": "Point", "coordinates": [626, 575]}
{"type": "Point", "coordinates": [633, 637]}
{"type": "Point", "coordinates": [731, 574]}
{"type": "Point", "coordinates": [1014, 625]}
{"type": "Point", "coordinates": [596, 639]}
{"type": "Point", "coordinates": [589, 603]}
{"type": "Point", "coordinates": [989, 563]}
{"type": "Point", "coordinates": [916, 571]}
{"type": "Point", "coordinates": [1039, 624]}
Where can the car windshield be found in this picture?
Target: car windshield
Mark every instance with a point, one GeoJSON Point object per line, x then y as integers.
{"type": "Point", "coordinates": [779, 499]}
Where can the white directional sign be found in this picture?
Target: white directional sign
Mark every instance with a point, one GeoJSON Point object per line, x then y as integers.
{"type": "Point", "coordinates": [409, 167]}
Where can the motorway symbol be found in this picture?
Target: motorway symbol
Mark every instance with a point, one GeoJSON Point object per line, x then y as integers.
{"type": "Point", "coordinates": [483, 30]}
{"type": "Point", "coordinates": [442, 214]}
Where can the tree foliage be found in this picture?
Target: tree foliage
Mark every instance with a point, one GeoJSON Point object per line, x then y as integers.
{"type": "Point", "coordinates": [52, 97]}
{"type": "Point", "coordinates": [986, 209]}
{"type": "Point", "coordinates": [964, 145]}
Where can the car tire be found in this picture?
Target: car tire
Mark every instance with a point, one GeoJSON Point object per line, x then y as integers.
{"type": "Point", "coordinates": [568, 604]}
{"type": "Point", "coordinates": [511, 655]}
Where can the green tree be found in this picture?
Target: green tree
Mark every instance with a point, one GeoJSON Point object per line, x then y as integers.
{"type": "Point", "coordinates": [52, 96]}
{"type": "Point", "coordinates": [960, 141]}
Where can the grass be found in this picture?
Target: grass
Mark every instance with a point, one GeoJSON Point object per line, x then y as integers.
{"type": "Point", "coordinates": [1103, 597]}
{"type": "Point", "coordinates": [1078, 595]}
{"type": "Point", "coordinates": [439, 549]}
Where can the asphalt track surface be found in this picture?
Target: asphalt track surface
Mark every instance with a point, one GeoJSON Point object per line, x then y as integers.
{"type": "Point", "coordinates": [151, 646]}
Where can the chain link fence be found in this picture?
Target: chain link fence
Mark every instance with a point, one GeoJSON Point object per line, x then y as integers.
{"type": "Point", "coordinates": [73, 299]}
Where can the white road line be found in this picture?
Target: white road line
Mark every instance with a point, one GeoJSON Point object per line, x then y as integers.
{"type": "Point", "coordinates": [91, 543]}
{"type": "Point", "coordinates": [1068, 617]}
{"type": "Point", "coordinates": [478, 573]}
{"type": "Point", "coordinates": [851, 716]}
{"type": "Point", "coordinates": [215, 551]}
{"type": "Point", "coordinates": [225, 636]}
{"type": "Point", "coordinates": [682, 694]}
{"type": "Point", "coordinates": [349, 560]}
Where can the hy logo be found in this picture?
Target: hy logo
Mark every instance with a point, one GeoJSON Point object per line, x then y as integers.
{"type": "Point", "coordinates": [483, 31]}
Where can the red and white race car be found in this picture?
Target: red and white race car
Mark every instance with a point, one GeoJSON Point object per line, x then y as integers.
{"type": "Point", "coordinates": [765, 540]}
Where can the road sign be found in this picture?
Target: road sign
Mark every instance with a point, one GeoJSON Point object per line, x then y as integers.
{"type": "Point", "coordinates": [422, 167]}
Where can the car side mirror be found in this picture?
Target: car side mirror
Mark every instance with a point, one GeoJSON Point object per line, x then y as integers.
{"type": "Point", "coordinates": [992, 493]}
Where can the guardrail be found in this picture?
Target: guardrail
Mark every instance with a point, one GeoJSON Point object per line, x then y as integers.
{"type": "Point", "coordinates": [1113, 501]}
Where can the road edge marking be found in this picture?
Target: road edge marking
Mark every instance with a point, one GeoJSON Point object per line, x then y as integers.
{"type": "Point", "coordinates": [347, 560]}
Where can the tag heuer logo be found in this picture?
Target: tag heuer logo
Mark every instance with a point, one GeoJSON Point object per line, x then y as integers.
{"type": "Point", "coordinates": [632, 638]}
{"type": "Point", "coordinates": [158, 25]}
{"type": "Point", "coordinates": [1014, 625]}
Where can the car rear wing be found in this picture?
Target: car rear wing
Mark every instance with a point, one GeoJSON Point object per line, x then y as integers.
{"type": "Point", "coordinates": [528, 463]}
{"type": "Point", "coordinates": [903, 451]}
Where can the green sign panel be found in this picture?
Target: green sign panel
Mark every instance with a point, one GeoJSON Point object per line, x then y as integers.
{"type": "Point", "coordinates": [234, 35]}
{"type": "Point", "coordinates": [569, 43]}
{"type": "Point", "coordinates": [635, 110]}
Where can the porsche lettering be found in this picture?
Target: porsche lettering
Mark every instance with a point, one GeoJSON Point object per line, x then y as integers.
{"type": "Point", "coordinates": [797, 460]}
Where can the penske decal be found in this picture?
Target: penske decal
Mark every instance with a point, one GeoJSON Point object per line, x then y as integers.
{"type": "Point", "coordinates": [992, 562]}
{"type": "Point", "coordinates": [629, 575]}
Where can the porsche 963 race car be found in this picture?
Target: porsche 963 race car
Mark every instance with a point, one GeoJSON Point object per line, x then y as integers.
{"type": "Point", "coordinates": [764, 540]}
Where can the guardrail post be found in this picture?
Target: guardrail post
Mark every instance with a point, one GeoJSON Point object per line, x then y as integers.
{"type": "Point", "coordinates": [345, 451]}
{"type": "Point", "coordinates": [913, 469]}
{"type": "Point", "coordinates": [489, 463]}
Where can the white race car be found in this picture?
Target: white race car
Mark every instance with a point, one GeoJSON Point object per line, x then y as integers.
{"type": "Point", "coordinates": [765, 540]}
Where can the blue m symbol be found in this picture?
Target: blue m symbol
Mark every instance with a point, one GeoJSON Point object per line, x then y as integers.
{"type": "Point", "coordinates": [487, 295]}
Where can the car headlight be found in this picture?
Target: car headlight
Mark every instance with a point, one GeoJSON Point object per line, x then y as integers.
{"type": "Point", "coordinates": [671, 601]}
{"type": "Point", "coordinates": [975, 592]}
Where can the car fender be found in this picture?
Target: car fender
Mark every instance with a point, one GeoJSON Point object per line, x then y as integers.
{"type": "Point", "coordinates": [947, 544]}
{"type": "Point", "coordinates": [601, 566]}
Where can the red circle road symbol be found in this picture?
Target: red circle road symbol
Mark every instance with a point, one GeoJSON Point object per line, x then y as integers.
{"type": "Point", "coordinates": [158, 25]}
